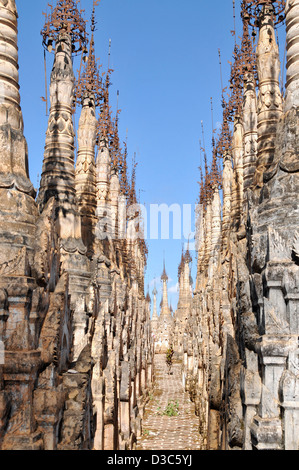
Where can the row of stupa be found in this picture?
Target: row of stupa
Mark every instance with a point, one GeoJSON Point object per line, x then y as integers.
{"type": "Point", "coordinates": [75, 343]}
{"type": "Point", "coordinates": [167, 328]}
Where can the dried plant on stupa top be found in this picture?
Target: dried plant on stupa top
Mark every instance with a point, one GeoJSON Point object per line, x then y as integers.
{"type": "Point", "coordinates": [252, 10]}
{"type": "Point", "coordinates": [65, 18]}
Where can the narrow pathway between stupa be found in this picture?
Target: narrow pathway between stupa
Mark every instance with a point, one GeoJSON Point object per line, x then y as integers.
{"type": "Point", "coordinates": [161, 429]}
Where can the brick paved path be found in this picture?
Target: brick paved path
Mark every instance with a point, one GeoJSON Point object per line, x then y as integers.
{"type": "Point", "coordinates": [169, 432]}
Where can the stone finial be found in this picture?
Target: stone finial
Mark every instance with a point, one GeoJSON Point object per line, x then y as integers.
{"type": "Point", "coordinates": [103, 170]}
{"type": "Point", "coordinates": [238, 159]}
{"type": "Point", "coordinates": [58, 173]}
{"type": "Point", "coordinates": [250, 130]}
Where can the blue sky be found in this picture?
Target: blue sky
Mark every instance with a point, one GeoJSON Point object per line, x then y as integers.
{"type": "Point", "coordinates": [166, 68]}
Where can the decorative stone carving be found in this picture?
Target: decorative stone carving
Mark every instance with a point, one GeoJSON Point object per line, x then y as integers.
{"type": "Point", "coordinates": [250, 131]}
{"type": "Point", "coordinates": [58, 174]}
{"type": "Point", "coordinates": [292, 18]}
{"type": "Point", "coordinates": [163, 327]}
{"type": "Point", "coordinates": [241, 339]}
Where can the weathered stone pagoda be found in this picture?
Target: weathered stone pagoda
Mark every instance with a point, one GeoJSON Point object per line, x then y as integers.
{"type": "Point", "coordinates": [76, 349]}
{"type": "Point", "coordinates": [162, 325]}
{"type": "Point", "coordinates": [242, 351]}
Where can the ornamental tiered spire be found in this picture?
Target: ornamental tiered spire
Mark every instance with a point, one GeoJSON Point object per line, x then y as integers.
{"type": "Point", "coordinates": [253, 8]}
{"type": "Point", "coordinates": [164, 305]}
{"type": "Point", "coordinates": [105, 129]}
{"type": "Point", "coordinates": [90, 81]}
{"type": "Point", "coordinates": [65, 18]}
{"type": "Point", "coordinates": [17, 206]}
{"type": "Point", "coordinates": [164, 277]}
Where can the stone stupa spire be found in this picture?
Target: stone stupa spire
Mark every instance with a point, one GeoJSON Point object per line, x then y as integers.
{"type": "Point", "coordinates": [64, 31]}
{"type": "Point", "coordinates": [269, 103]}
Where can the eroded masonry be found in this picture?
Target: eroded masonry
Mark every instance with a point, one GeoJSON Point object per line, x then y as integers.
{"type": "Point", "coordinates": [77, 341]}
